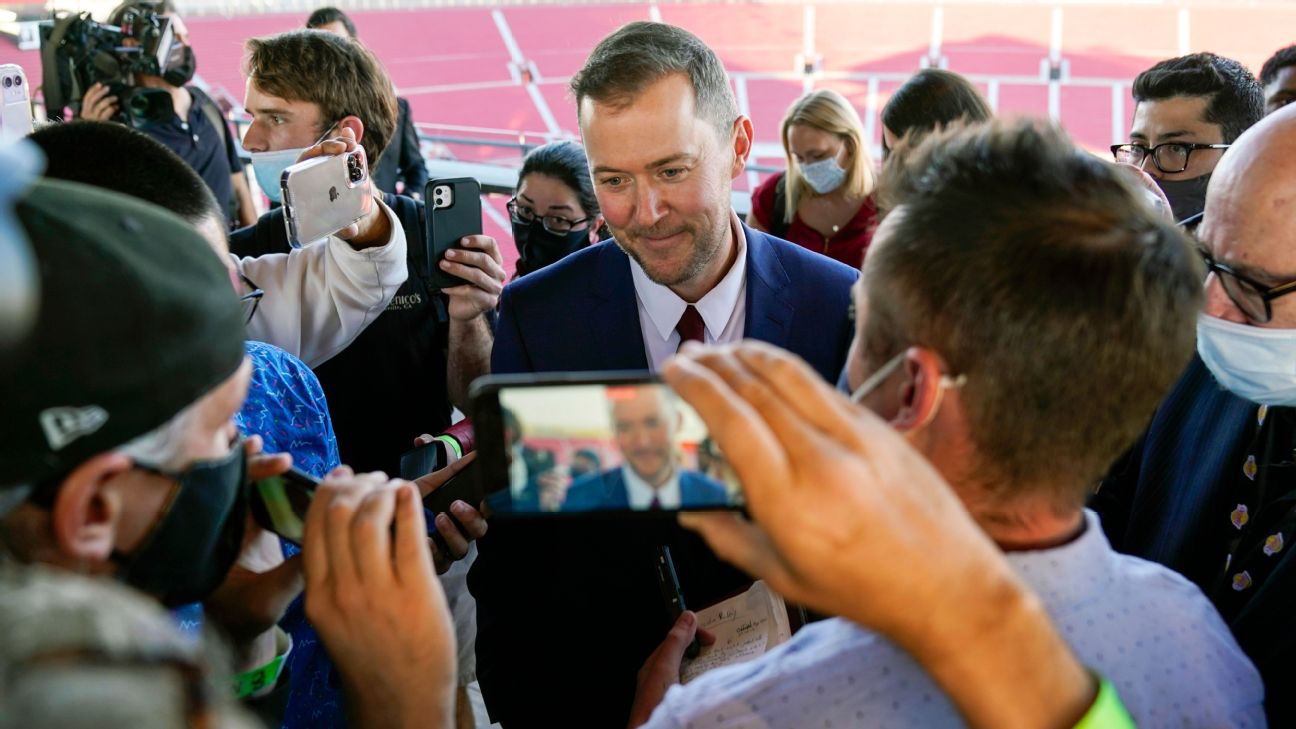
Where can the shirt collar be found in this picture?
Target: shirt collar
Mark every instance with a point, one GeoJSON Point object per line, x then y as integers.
{"type": "Point", "coordinates": [640, 494]}
{"type": "Point", "coordinates": [1071, 573]}
{"type": "Point", "coordinates": [665, 308]}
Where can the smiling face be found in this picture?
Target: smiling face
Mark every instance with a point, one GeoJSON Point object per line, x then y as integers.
{"type": "Point", "coordinates": [663, 174]}
{"type": "Point", "coordinates": [644, 426]}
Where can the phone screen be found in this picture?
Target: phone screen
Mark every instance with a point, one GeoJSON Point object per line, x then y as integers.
{"type": "Point", "coordinates": [280, 503]}
{"type": "Point", "coordinates": [606, 447]}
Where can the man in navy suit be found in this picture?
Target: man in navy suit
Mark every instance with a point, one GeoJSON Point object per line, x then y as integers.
{"type": "Point", "coordinates": [664, 139]}
{"type": "Point", "coordinates": [645, 421]}
{"type": "Point", "coordinates": [1209, 490]}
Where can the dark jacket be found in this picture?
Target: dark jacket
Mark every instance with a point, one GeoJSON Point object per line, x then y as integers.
{"type": "Point", "coordinates": [402, 160]}
{"type": "Point", "coordinates": [567, 612]}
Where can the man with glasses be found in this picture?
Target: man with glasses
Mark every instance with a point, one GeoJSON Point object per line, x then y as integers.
{"type": "Point", "coordinates": [1187, 112]}
{"type": "Point", "coordinates": [1209, 490]}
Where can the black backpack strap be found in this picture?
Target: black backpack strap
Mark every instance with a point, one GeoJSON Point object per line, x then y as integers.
{"type": "Point", "coordinates": [778, 224]}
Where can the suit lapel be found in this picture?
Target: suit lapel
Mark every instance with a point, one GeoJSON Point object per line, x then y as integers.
{"type": "Point", "coordinates": [616, 338]}
{"type": "Point", "coordinates": [769, 309]}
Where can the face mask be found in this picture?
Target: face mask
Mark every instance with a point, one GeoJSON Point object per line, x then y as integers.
{"type": "Point", "coordinates": [538, 247]}
{"type": "Point", "coordinates": [1187, 197]}
{"type": "Point", "coordinates": [823, 176]}
{"type": "Point", "coordinates": [181, 65]}
{"type": "Point", "coordinates": [269, 166]}
{"type": "Point", "coordinates": [1254, 363]}
{"type": "Point", "coordinates": [199, 537]}
{"type": "Point", "coordinates": [876, 379]}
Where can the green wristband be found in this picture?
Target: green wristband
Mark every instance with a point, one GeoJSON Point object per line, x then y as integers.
{"type": "Point", "coordinates": [452, 444]}
{"type": "Point", "coordinates": [1107, 711]}
{"type": "Point", "coordinates": [260, 680]}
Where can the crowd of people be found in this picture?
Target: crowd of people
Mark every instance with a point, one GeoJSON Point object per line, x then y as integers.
{"type": "Point", "coordinates": [1013, 422]}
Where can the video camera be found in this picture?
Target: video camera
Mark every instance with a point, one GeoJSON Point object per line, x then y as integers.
{"type": "Point", "coordinates": [77, 52]}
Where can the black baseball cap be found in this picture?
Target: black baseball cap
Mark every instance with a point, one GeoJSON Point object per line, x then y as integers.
{"type": "Point", "coordinates": [137, 320]}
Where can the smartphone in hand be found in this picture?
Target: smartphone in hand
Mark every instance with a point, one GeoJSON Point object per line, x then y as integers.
{"type": "Point", "coordinates": [454, 213]}
{"type": "Point", "coordinates": [324, 195]}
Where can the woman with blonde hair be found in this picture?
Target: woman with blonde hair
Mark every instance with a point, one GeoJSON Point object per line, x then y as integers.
{"type": "Point", "coordinates": [824, 201]}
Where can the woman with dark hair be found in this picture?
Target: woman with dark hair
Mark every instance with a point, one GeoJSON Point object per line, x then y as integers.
{"type": "Point", "coordinates": [553, 211]}
{"type": "Point", "coordinates": [930, 99]}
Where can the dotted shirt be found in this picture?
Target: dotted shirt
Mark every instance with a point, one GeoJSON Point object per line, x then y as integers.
{"type": "Point", "coordinates": [1150, 631]}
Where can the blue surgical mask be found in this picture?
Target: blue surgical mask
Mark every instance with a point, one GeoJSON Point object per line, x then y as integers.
{"type": "Point", "coordinates": [823, 176]}
{"type": "Point", "coordinates": [269, 166]}
{"type": "Point", "coordinates": [1254, 363]}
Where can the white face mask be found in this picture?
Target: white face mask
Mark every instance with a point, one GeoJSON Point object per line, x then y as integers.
{"type": "Point", "coordinates": [1254, 363]}
{"type": "Point", "coordinates": [823, 176]}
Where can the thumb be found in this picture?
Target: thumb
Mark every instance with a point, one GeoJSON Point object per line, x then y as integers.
{"type": "Point", "coordinates": [678, 640]}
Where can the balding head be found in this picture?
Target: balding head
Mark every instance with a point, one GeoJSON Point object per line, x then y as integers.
{"type": "Point", "coordinates": [1250, 217]}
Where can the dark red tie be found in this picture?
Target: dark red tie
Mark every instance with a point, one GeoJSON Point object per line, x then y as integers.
{"type": "Point", "coordinates": [690, 327]}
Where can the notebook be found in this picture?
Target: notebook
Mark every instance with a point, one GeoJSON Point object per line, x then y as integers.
{"type": "Point", "coordinates": [745, 626]}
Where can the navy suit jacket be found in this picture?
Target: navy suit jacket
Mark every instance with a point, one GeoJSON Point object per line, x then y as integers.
{"type": "Point", "coordinates": [535, 580]}
{"type": "Point", "coordinates": [581, 314]}
{"type": "Point", "coordinates": [608, 490]}
{"type": "Point", "coordinates": [1167, 501]}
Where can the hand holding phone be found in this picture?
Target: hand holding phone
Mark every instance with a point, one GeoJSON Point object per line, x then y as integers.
{"type": "Point", "coordinates": [16, 118]}
{"type": "Point", "coordinates": [324, 195]}
{"type": "Point", "coordinates": [454, 213]}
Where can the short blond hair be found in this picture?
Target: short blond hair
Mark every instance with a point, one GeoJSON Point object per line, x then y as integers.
{"type": "Point", "coordinates": [827, 111]}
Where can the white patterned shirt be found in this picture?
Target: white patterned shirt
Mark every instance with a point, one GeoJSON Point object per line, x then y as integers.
{"type": "Point", "coordinates": [1149, 631]}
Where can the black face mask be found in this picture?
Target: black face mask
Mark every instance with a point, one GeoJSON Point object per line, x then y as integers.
{"type": "Point", "coordinates": [199, 537]}
{"type": "Point", "coordinates": [180, 66]}
{"type": "Point", "coordinates": [1187, 197]}
{"type": "Point", "coordinates": [538, 247]}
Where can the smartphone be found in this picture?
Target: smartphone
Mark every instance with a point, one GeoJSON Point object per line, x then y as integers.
{"type": "Point", "coordinates": [611, 444]}
{"type": "Point", "coordinates": [324, 195]}
{"type": "Point", "coordinates": [279, 503]}
{"type": "Point", "coordinates": [463, 486]}
{"type": "Point", "coordinates": [454, 212]}
{"type": "Point", "coordinates": [16, 117]}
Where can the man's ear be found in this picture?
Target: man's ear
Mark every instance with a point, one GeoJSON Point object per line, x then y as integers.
{"type": "Point", "coordinates": [354, 124]}
{"type": "Point", "coordinates": [742, 144]}
{"type": "Point", "coordinates": [86, 511]}
{"type": "Point", "coordinates": [921, 389]}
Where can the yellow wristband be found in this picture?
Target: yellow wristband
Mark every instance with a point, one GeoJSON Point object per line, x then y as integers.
{"type": "Point", "coordinates": [1107, 711]}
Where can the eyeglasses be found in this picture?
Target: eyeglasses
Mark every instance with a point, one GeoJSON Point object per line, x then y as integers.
{"type": "Point", "coordinates": [251, 300]}
{"type": "Point", "coordinates": [524, 215]}
{"type": "Point", "coordinates": [1170, 157]}
{"type": "Point", "coordinates": [1250, 296]}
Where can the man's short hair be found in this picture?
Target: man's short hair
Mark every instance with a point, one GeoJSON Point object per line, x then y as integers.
{"type": "Point", "coordinates": [1284, 58]}
{"type": "Point", "coordinates": [1041, 275]}
{"type": "Point", "coordinates": [116, 157]}
{"type": "Point", "coordinates": [340, 76]}
{"type": "Point", "coordinates": [329, 15]}
{"type": "Point", "coordinates": [638, 55]}
{"type": "Point", "coordinates": [1236, 98]}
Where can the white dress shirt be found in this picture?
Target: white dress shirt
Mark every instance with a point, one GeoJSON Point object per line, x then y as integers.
{"type": "Point", "coordinates": [641, 494]}
{"type": "Point", "coordinates": [1148, 630]}
{"type": "Point", "coordinates": [723, 308]}
{"type": "Point", "coordinates": [318, 299]}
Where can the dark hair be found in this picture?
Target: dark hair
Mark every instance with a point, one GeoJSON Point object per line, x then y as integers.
{"type": "Point", "coordinates": [565, 162]}
{"type": "Point", "coordinates": [1283, 58]}
{"type": "Point", "coordinates": [327, 15]}
{"type": "Point", "coordinates": [1236, 99]}
{"type": "Point", "coordinates": [1040, 274]}
{"type": "Point", "coordinates": [118, 158]}
{"type": "Point", "coordinates": [641, 53]}
{"type": "Point", "coordinates": [931, 99]}
{"type": "Point", "coordinates": [338, 75]}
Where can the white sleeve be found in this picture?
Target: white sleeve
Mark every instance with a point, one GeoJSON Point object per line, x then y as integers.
{"type": "Point", "coordinates": [319, 298]}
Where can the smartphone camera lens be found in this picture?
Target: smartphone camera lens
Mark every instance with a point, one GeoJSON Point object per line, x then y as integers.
{"type": "Point", "coordinates": [17, 80]}
{"type": "Point", "coordinates": [8, 81]}
{"type": "Point", "coordinates": [354, 169]}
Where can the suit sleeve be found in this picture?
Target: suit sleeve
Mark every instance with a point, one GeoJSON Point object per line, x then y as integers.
{"type": "Point", "coordinates": [321, 297]}
{"type": "Point", "coordinates": [509, 353]}
{"type": "Point", "coordinates": [413, 170]}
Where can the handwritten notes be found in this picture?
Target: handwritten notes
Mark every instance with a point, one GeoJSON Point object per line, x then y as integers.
{"type": "Point", "coordinates": [745, 626]}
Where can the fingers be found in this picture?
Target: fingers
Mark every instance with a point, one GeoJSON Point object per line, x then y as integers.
{"type": "Point", "coordinates": [265, 466]}
{"type": "Point", "coordinates": [413, 558]}
{"type": "Point", "coordinates": [423, 440]}
{"type": "Point", "coordinates": [455, 541]}
{"type": "Point", "coordinates": [671, 653]}
{"type": "Point", "coordinates": [472, 520]}
{"type": "Point", "coordinates": [486, 244]}
{"type": "Point", "coordinates": [705, 637]}
{"type": "Point", "coordinates": [344, 142]}
{"type": "Point", "coordinates": [435, 480]}
{"type": "Point", "coordinates": [315, 536]}
{"type": "Point", "coordinates": [371, 538]}
{"type": "Point", "coordinates": [476, 268]}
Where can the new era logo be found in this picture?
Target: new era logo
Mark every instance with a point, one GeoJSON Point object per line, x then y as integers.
{"type": "Point", "coordinates": [64, 425]}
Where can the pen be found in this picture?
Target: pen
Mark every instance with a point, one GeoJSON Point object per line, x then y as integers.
{"type": "Point", "coordinates": [668, 581]}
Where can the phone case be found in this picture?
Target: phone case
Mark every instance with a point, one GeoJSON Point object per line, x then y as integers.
{"type": "Point", "coordinates": [324, 195]}
{"type": "Point", "coordinates": [16, 121]}
{"type": "Point", "coordinates": [453, 212]}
